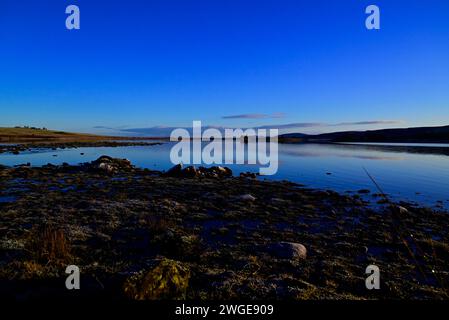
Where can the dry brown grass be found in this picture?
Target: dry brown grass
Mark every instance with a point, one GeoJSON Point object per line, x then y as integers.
{"type": "Point", "coordinates": [50, 246]}
{"type": "Point", "coordinates": [156, 224]}
{"type": "Point", "coordinates": [30, 135]}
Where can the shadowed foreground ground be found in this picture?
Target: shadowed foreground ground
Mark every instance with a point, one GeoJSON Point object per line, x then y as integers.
{"type": "Point", "coordinates": [201, 234]}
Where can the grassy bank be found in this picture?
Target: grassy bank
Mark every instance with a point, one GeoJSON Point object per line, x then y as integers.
{"type": "Point", "coordinates": [42, 135]}
{"type": "Point", "coordinates": [36, 134]}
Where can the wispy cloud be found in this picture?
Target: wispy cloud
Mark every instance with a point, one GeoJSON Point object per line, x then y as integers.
{"type": "Point", "coordinates": [293, 125]}
{"type": "Point", "coordinates": [275, 115]}
{"type": "Point", "coordinates": [367, 123]}
{"type": "Point", "coordinates": [321, 124]}
{"type": "Point", "coordinates": [110, 128]}
{"type": "Point", "coordinates": [156, 131]}
{"type": "Point", "coordinates": [165, 131]}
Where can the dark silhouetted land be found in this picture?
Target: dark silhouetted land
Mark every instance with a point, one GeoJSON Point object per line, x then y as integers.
{"type": "Point", "coordinates": [403, 135]}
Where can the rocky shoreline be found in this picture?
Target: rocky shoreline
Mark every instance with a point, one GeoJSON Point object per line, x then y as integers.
{"type": "Point", "coordinates": [201, 233]}
{"type": "Point", "coordinates": [24, 147]}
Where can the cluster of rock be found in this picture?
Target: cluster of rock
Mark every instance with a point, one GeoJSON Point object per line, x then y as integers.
{"type": "Point", "coordinates": [110, 165]}
{"type": "Point", "coordinates": [250, 175]}
{"type": "Point", "coordinates": [192, 172]}
{"type": "Point", "coordinates": [18, 148]}
{"type": "Point", "coordinates": [14, 149]}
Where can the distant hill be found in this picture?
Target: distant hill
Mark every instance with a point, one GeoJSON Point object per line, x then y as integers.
{"type": "Point", "coordinates": [410, 135]}
{"type": "Point", "coordinates": [293, 137]}
{"type": "Point", "coordinates": [31, 133]}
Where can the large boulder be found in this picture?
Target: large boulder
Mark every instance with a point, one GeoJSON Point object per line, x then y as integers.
{"type": "Point", "coordinates": [288, 250]}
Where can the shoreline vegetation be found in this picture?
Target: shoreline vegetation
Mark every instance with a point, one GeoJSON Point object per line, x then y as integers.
{"type": "Point", "coordinates": [201, 233]}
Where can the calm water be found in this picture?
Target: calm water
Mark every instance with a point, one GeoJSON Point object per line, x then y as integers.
{"type": "Point", "coordinates": [405, 172]}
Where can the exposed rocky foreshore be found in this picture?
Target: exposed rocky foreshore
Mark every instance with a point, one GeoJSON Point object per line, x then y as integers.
{"type": "Point", "coordinates": [23, 147]}
{"type": "Point", "coordinates": [201, 233]}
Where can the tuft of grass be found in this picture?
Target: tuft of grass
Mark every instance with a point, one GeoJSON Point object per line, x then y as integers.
{"type": "Point", "coordinates": [33, 269]}
{"type": "Point", "coordinates": [168, 280]}
{"type": "Point", "coordinates": [156, 224]}
{"type": "Point", "coordinates": [49, 246]}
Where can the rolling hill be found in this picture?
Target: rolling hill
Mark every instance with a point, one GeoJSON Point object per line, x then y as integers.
{"type": "Point", "coordinates": [410, 135]}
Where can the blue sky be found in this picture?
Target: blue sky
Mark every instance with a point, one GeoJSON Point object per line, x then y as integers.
{"type": "Point", "coordinates": [245, 63]}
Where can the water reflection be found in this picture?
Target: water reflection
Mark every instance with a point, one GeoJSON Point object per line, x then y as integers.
{"type": "Point", "coordinates": [409, 172]}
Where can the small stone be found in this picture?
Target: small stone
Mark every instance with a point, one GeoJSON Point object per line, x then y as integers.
{"type": "Point", "coordinates": [247, 197]}
{"type": "Point", "coordinates": [402, 210]}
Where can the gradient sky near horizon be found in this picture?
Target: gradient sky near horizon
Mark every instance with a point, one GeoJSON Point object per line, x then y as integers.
{"type": "Point", "coordinates": [232, 63]}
